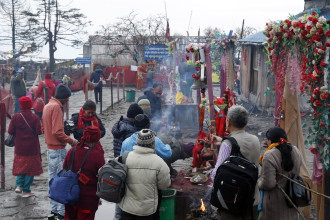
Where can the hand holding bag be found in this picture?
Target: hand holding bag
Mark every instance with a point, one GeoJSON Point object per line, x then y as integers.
{"type": "Point", "coordinates": [10, 141]}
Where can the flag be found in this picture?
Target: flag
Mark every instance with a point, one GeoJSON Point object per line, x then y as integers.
{"type": "Point", "coordinates": [168, 32]}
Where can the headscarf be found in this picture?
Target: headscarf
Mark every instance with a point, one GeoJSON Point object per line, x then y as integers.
{"type": "Point", "coordinates": [82, 118]}
{"type": "Point", "coordinates": [25, 103]}
{"type": "Point", "coordinates": [48, 80]}
{"type": "Point", "coordinates": [91, 134]}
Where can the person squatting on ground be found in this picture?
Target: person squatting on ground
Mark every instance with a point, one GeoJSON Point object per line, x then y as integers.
{"type": "Point", "coordinates": [56, 139]}
{"type": "Point", "coordinates": [40, 93]}
{"type": "Point", "coordinates": [85, 118]}
{"type": "Point", "coordinates": [87, 205]}
{"type": "Point", "coordinates": [18, 89]}
{"type": "Point", "coordinates": [96, 78]}
{"type": "Point", "coordinates": [25, 126]}
{"type": "Point", "coordinates": [147, 174]}
{"type": "Point", "coordinates": [280, 157]}
{"type": "Point", "coordinates": [124, 128]}
{"type": "Point", "coordinates": [237, 119]}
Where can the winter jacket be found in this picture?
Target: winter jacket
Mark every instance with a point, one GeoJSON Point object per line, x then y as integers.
{"type": "Point", "coordinates": [26, 142]}
{"type": "Point", "coordinates": [162, 150]}
{"type": "Point", "coordinates": [40, 91]}
{"type": "Point", "coordinates": [147, 173]}
{"type": "Point", "coordinates": [53, 126]}
{"type": "Point", "coordinates": [121, 130]}
{"type": "Point", "coordinates": [274, 205]}
{"type": "Point", "coordinates": [78, 133]}
{"type": "Point", "coordinates": [95, 160]}
{"type": "Point", "coordinates": [18, 87]}
{"type": "Point", "coordinates": [95, 77]}
{"type": "Point", "coordinates": [155, 104]}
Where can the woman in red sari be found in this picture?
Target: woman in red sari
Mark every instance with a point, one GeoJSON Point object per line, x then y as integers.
{"type": "Point", "coordinates": [25, 126]}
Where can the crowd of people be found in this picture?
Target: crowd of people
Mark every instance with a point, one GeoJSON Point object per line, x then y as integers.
{"type": "Point", "coordinates": [150, 157]}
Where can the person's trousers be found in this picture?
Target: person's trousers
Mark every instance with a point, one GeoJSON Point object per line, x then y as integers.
{"type": "Point", "coordinates": [117, 213]}
{"type": "Point", "coordinates": [74, 213]}
{"type": "Point", "coordinates": [149, 83]}
{"type": "Point", "coordinates": [55, 162]}
{"type": "Point", "coordinates": [17, 106]}
{"type": "Point", "coordinates": [250, 214]}
{"type": "Point", "coordinates": [97, 93]}
{"type": "Point", "coordinates": [25, 182]}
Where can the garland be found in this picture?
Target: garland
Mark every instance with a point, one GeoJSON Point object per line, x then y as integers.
{"type": "Point", "coordinates": [303, 41]}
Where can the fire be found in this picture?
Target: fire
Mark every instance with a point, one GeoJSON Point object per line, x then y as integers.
{"type": "Point", "coordinates": [202, 206]}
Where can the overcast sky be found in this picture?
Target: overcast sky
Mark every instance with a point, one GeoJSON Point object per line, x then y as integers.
{"type": "Point", "coordinates": [225, 15]}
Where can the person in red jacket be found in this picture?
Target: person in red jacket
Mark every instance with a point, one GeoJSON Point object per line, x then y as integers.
{"type": "Point", "coordinates": [88, 202]}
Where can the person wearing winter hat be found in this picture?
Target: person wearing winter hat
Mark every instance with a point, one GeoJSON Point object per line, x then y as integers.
{"type": "Point", "coordinates": [145, 105]}
{"type": "Point", "coordinates": [147, 172]}
{"type": "Point", "coordinates": [55, 138]}
{"type": "Point", "coordinates": [124, 128]}
{"type": "Point", "coordinates": [25, 126]}
{"type": "Point", "coordinates": [88, 202]}
{"type": "Point", "coordinates": [18, 89]}
{"type": "Point", "coordinates": [85, 118]}
{"type": "Point", "coordinates": [141, 122]}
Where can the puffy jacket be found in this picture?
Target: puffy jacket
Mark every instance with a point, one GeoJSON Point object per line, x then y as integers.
{"type": "Point", "coordinates": [95, 77]}
{"type": "Point", "coordinates": [147, 173]}
{"type": "Point", "coordinates": [18, 87]}
{"type": "Point", "coordinates": [121, 130]}
{"type": "Point", "coordinates": [78, 133]}
{"type": "Point", "coordinates": [155, 104]}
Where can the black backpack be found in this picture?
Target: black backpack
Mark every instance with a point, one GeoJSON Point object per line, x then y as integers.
{"type": "Point", "coordinates": [234, 183]}
{"type": "Point", "coordinates": [111, 182]}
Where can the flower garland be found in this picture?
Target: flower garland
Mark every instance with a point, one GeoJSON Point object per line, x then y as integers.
{"type": "Point", "coordinates": [305, 36]}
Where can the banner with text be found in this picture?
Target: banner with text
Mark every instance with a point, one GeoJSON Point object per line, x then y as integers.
{"type": "Point", "coordinates": [156, 52]}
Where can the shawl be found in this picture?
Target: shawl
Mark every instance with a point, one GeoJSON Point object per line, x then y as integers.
{"type": "Point", "coordinates": [82, 118]}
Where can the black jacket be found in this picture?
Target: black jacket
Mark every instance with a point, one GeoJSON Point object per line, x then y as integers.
{"type": "Point", "coordinates": [78, 133]}
{"type": "Point", "coordinates": [121, 130]}
{"type": "Point", "coordinates": [155, 104]}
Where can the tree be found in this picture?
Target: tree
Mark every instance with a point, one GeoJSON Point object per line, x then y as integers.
{"type": "Point", "coordinates": [129, 34]}
{"type": "Point", "coordinates": [210, 32]}
{"type": "Point", "coordinates": [248, 30]}
{"type": "Point", "coordinates": [12, 22]}
{"type": "Point", "coordinates": [52, 23]}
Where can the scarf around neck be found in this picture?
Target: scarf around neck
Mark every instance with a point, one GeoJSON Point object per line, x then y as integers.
{"type": "Point", "coordinates": [82, 118]}
{"type": "Point", "coordinates": [269, 148]}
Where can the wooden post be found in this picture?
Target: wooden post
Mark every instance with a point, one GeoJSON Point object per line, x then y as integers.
{"type": "Point", "coordinates": [111, 94]}
{"type": "Point", "coordinates": [3, 114]}
{"type": "Point", "coordinates": [117, 86]}
{"type": "Point", "coordinates": [207, 49]}
{"type": "Point", "coordinates": [101, 98]}
{"type": "Point", "coordinates": [124, 97]}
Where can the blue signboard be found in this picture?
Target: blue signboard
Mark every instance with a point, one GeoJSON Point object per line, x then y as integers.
{"type": "Point", "coordinates": [156, 52]}
{"type": "Point", "coordinates": [83, 60]}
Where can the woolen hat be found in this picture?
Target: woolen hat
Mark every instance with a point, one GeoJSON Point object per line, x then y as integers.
{"type": "Point", "coordinates": [48, 76]}
{"type": "Point", "coordinates": [133, 110]}
{"type": "Point", "coordinates": [146, 138]}
{"type": "Point", "coordinates": [92, 134]}
{"type": "Point", "coordinates": [145, 105]}
{"type": "Point", "coordinates": [141, 121]}
{"type": "Point", "coordinates": [62, 91]}
{"type": "Point", "coordinates": [25, 103]}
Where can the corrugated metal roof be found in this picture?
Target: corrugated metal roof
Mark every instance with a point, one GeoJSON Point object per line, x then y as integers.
{"type": "Point", "coordinates": [258, 38]}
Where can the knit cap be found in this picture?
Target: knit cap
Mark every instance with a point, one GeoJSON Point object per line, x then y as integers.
{"type": "Point", "coordinates": [133, 110]}
{"type": "Point", "coordinates": [25, 103]}
{"type": "Point", "coordinates": [48, 76]}
{"type": "Point", "coordinates": [145, 105]}
{"type": "Point", "coordinates": [141, 121]}
{"type": "Point", "coordinates": [146, 138]}
{"type": "Point", "coordinates": [62, 91]}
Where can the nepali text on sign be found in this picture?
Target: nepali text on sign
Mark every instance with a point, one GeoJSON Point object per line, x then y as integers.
{"type": "Point", "coordinates": [83, 60]}
{"type": "Point", "coordinates": [156, 52]}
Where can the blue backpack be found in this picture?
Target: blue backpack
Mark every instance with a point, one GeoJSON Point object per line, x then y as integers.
{"type": "Point", "coordinates": [64, 188]}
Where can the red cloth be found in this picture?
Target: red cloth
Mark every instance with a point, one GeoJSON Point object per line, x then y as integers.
{"type": "Point", "coordinates": [220, 119]}
{"type": "Point", "coordinates": [48, 76]}
{"type": "Point", "coordinates": [26, 142]}
{"type": "Point", "coordinates": [51, 89]}
{"type": "Point", "coordinates": [197, 148]}
{"type": "Point", "coordinates": [28, 165]}
{"type": "Point", "coordinates": [25, 103]}
{"type": "Point", "coordinates": [72, 212]}
{"type": "Point", "coordinates": [87, 199]}
{"type": "Point", "coordinates": [82, 118]}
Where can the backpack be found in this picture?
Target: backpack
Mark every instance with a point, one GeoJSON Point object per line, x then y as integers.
{"type": "Point", "coordinates": [111, 182]}
{"type": "Point", "coordinates": [234, 183]}
{"type": "Point", "coordinates": [300, 196]}
{"type": "Point", "coordinates": [64, 188]}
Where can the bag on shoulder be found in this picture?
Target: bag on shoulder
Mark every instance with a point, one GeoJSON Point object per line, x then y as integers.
{"type": "Point", "coordinates": [10, 141]}
{"type": "Point", "coordinates": [300, 196]}
{"type": "Point", "coordinates": [112, 179]}
{"type": "Point", "coordinates": [234, 182]}
{"type": "Point", "coordinates": [64, 188]}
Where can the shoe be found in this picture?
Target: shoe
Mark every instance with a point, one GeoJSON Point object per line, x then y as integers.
{"type": "Point", "coordinates": [53, 213]}
{"type": "Point", "coordinates": [18, 189]}
{"type": "Point", "coordinates": [27, 194]}
{"type": "Point", "coordinates": [60, 216]}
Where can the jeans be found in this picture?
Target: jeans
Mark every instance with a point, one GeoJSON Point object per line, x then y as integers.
{"type": "Point", "coordinates": [118, 212]}
{"type": "Point", "coordinates": [55, 162]}
{"type": "Point", "coordinates": [25, 182]}
{"type": "Point", "coordinates": [98, 93]}
{"type": "Point", "coordinates": [17, 106]}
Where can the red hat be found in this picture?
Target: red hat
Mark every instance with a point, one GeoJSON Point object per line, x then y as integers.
{"type": "Point", "coordinates": [25, 103]}
{"type": "Point", "coordinates": [48, 75]}
{"type": "Point", "coordinates": [91, 134]}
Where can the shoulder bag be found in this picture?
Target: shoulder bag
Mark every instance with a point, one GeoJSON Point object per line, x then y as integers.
{"type": "Point", "coordinates": [10, 141]}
